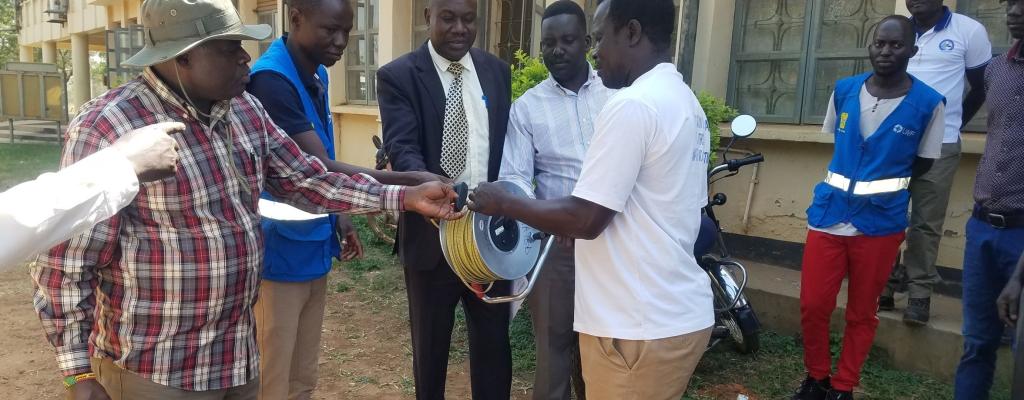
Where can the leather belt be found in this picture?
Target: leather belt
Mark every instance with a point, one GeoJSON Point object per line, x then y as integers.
{"type": "Point", "coordinates": [997, 220]}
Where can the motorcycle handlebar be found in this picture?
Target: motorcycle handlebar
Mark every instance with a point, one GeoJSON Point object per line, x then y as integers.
{"type": "Point", "coordinates": [735, 165]}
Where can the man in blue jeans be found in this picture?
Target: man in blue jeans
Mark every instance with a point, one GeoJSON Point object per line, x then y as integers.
{"type": "Point", "coordinates": [995, 232]}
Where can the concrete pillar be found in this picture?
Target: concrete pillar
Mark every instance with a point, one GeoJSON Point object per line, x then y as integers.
{"type": "Point", "coordinates": [25, 54]}
{"type": "Point", "coordinates": [50, 52]}
{"type": "Point", "coordinates": [713, 47]}
{"type": "Point", "coordinates": [81, 90]}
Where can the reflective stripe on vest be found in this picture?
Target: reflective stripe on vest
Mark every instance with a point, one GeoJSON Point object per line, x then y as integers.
{"type": "Point", "coordinates": [868, 187]}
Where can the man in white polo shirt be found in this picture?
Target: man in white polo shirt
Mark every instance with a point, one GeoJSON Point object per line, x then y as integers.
{"type": "Point", "coordinates": [643, 306]}
{"type": "Point", "coordinates": [953, 50]}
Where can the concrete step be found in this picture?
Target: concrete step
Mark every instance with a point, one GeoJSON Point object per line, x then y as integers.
{"type": "Point", "coordinates": [933, 349]}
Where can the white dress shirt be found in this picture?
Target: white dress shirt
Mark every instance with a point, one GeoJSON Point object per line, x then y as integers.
{"type": "Point", "coordinates": [39, 214]}
{"type": "Point", "coordinates": [473, 99]}
{"type": "Point", "coordinates": [549, 131]}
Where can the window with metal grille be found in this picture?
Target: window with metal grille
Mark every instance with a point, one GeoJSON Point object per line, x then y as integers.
{"type": "Point", "coordinates": [122, 43]}
{"type": "Point", "coordinates": [991, 14]}
{"type": "Point", "coordinates": [788, 54]}
{"type": "Point", "coordinates": [361, 55]}
{"type": "Point", "coordinates": [519, 28]}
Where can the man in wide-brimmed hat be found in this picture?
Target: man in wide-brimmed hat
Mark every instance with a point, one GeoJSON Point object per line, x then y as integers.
{"type": "Point", "coordinates": [157, 302]}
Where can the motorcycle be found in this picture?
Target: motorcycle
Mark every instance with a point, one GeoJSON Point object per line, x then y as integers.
{"type": "Point", "coordinates": [735, 318]}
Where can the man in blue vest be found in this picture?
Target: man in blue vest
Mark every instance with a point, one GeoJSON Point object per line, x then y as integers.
{"type": "Point", "coordinates": [888, 127]}
{"type": "Point", "coordinates": [290, 79]}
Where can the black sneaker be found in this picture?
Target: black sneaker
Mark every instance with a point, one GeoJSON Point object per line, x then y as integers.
{"type": "Point", "coordinates": [838, 395]}
{"type": "Point", "coordinates": [886, 303]}
{"type": "Point", "coordinates": [812, 389]}
{"type": "Point", "coordinates": [917, 312]}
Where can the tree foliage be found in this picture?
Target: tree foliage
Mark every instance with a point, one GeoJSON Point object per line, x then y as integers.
{"type": "Point", "coordinates": [8, 32]}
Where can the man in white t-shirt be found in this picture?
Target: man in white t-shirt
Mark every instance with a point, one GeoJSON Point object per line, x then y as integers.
{"type": "Point", "coordinates": [953, 52]}
{"type": "Point", "coordinates": [636, 210]}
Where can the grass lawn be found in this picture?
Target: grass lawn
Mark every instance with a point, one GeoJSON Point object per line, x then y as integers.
{"type": "Point", "coordinates": [773, 373]}
{"type": "Point", "coordinates": [21, 162]}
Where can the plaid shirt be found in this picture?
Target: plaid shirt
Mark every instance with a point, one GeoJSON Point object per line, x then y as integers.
{"type": "Point", "coordinates": [166, 287]}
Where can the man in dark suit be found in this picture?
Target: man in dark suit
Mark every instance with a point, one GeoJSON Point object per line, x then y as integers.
{"type": "Point", "coordinates": [445, 109]}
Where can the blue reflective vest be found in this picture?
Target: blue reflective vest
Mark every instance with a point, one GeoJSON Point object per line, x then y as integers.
{"type": "Point", "coordinates": [298, 251]}
{"type": "Point", "coordinates": [888, 153]}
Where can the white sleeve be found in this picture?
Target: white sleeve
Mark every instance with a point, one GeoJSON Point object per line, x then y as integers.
{"type": "Point", "coordinates": [517, 159]}
{"type": "Point", "coordinates": [829, 125]}
{"type": "Point", "coordinates": [931, 142]}
{"type": "Point", "coordinates": [39, 214]}
{"type": "Point", "coordinates": [616, 155]}
{"type": "Point", "coordinates": [979, 48]}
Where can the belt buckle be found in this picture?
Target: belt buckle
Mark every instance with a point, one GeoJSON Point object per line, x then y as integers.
{"type": "Point", "coordinates": [997, 221]}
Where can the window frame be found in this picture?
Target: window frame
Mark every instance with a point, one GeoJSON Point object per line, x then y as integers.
{"type": "Point", "coordinates": [263, 45]}
{"type": "Point", "coordinates": [809, 57]}
{"type": "Point", "coordinates": [372, 35]}
{"type": "Point", "coordinates": [115, 71]}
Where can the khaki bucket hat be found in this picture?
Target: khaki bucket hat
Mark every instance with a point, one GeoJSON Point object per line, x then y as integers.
{"type": "Point", "coordinates": [172, 27]}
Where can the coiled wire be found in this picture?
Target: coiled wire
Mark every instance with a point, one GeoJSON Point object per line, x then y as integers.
{"type": "Point", "coordinates": [459, 243]}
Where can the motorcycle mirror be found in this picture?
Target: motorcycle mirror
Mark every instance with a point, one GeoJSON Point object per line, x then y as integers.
{"type": "Point", "coordinates": [743, 126]}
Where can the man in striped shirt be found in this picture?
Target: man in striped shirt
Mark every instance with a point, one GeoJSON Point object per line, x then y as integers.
{"type": "Point", "coordinates": [549, 131]}
{"type": "Point", "coordinates": [156, 302]}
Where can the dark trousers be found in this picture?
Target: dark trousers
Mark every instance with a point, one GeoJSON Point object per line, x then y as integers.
{"type": "Point", "coordinates": [433, 296]}
{"type": "Point", "coordinates": [990, 256]}
{"type": "Point", "coordinates": [551, 309]}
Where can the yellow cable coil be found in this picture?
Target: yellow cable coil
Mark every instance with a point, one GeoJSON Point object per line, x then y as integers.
{"type": "Point", "coordinates": [459, 243]}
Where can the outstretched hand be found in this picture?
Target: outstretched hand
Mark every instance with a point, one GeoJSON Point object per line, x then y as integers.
{"type": "Point", "coordinates": [433, 200]}
{"type": "Point", "coordinates": [151, 150]}
{"type": "Point", "coordinates": [488, 198]}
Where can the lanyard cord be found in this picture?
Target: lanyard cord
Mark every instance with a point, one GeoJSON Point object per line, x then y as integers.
{"type": "Point", "coordinates": [230, 139]}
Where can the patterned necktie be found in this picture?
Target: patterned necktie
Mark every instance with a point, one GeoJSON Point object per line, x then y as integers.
{"type": "Point", "coordinates": [456, 127]}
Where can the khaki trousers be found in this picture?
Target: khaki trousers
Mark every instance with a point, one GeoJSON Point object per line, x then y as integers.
{"type": "Point", "coordinates": [929, 197]}
{"type": "Point", "coordinates": [125, 385]}
{"type": "Point", "coordinates": [289, 319]}
{"type": "Point", "coordinates": [622, 369]}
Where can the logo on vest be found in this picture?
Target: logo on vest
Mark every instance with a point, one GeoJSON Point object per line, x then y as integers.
{"type": "Point", "coordinates": [842, 122]}
{"type": "Point", "coordinates": [904, 131]}
{"type": "Point", "coordinates": [946, 45]}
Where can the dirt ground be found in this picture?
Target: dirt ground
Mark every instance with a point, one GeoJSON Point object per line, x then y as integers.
{"type": "Point", "coordinates": [365, 355]}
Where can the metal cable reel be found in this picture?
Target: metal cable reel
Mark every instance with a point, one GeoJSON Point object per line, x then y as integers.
{"type": "Point", "coordinates": [482, 249]}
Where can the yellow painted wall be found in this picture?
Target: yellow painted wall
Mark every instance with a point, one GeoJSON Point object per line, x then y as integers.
{"type": "Point", "coordinates": [352, 138]}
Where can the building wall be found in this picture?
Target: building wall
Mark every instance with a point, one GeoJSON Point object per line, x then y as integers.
{"type": "Point", "coordinates": [797, 156]}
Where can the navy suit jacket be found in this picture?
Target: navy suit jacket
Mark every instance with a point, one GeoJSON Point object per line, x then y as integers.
{"type": "Point", "coordinates": [412, 100]}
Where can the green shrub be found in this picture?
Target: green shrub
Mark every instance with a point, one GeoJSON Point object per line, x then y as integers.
{"type": "Point", "coordinates": [717, 112]}
{"type": "Point", "coordinates": [528, 71]}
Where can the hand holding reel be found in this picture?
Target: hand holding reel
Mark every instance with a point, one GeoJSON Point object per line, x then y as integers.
{"type": "Point", "coordinates": [482, 249]}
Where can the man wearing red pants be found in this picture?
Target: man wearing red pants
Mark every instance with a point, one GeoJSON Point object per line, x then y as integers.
{"type": "Point", "coordinates": [888, 127]}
